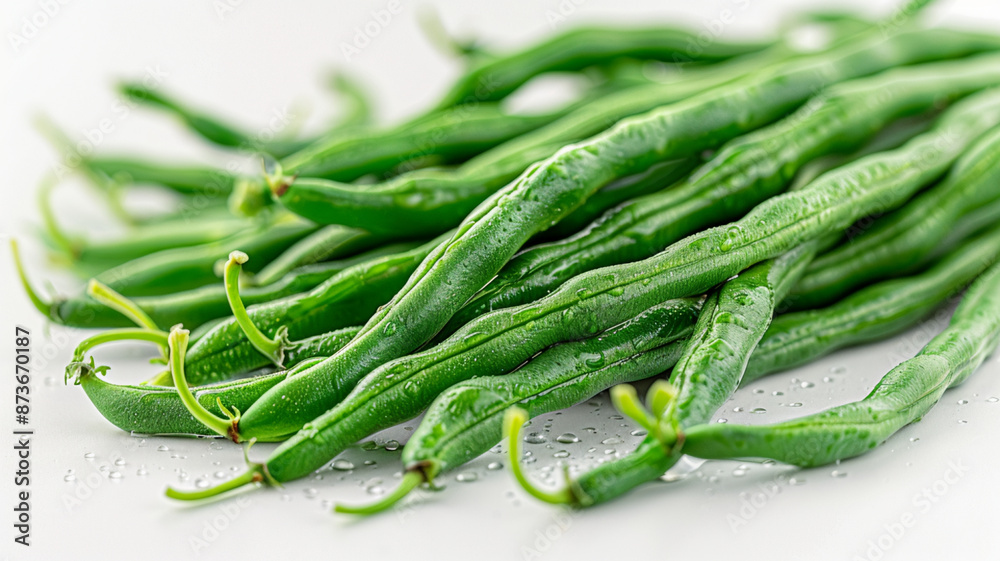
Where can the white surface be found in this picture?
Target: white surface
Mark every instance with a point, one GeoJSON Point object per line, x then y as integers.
{"type": "Point", "coordinates": [260, 58]}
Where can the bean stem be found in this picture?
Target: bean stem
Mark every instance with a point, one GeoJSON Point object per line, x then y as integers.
{"type": "Point", "coordinates": [273, 349]}
{"type": "Point", "coordinates": [41, 305]}
{"type": "Point", "coordinates": [178, 341]}
{"type": "Point", "coordinates": [114, 300]}
{"type": "Point", "coordinates": [513, 419]}
{"type": "Point", "coordinates": [410, 482]}
{"type": "Point", "coordinates": [253, 475]}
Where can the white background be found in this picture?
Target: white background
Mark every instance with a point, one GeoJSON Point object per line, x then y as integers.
{"type": "Point", "coordinates": [258, 58]}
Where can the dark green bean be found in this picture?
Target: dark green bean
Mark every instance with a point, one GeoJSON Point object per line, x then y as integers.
{"type": "Point", "coordinates": [906, 239]}
{"type": "Point", "coordinates": [348, 298]}
{"type": "Point", "coordinates": [745, 172]}
{"type": "Point", "coordinates": [901, 397]}
{"type": "Point", "coordinates": [579, 48]}
{"type": "Point", "coordinates": [489, 236]}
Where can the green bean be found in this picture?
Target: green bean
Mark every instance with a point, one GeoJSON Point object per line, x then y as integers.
{"type": "Point", "coordinates": [464, 420]}
{"type": "Point", "coordinates": [901, 397]}
{"type": "Point", "coordinates": [487, 238]}
{"type": "Point", "coordinates": [427, 201]}
{"type": "Point", "coordinates": [88, 255]}
{"type": "Point", "coordinates": [346, 299]}
{"type": "Point", "coordinates": [452, 135]}
{"type": "Point", "coordinates": [198, 306]}
{"type": "Point", "coordinates": [209, 127]}
{"type": "Point", "coordinates": [874, 312]}
{"type": "Point", "coordinates": [186, 179]}
{"type": "Point", "coordinates": [905, 239]}
{"type": "Point", "coordinates": [326, 243]}
{"type": "Point", "coordinates": [745, 172]}
{"type": "Point", "coordinates": [184, 268]}
{"type": "Point", "coordinates": [579, 48]}
{"type": "Point", "coordinates": [790, 340]}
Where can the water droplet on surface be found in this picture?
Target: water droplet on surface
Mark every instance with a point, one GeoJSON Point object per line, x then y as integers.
{"type": "Point", "coordinates": [535, 438]}
{"type": "Point", "coordinates": [793, 404]}
{"type": "Point", "coordinates": [758, 410]}
{"type": "Point", "coordinates": [963, 422]}
{"type": "Point", "coordinates": [89, 455]}
{"type": "Point", "coordinates": [963, 402]}
{"type": "Point", "coordinates": [914, 439]}
{"type": "Point", "coordinates": [389, 329]}
{"type": "Point", "coordinates": [838, 370]}
{"type": "Point", "coordinates": [141, 472]}
{"type": "Point", "coordinates": [838, 473]}
{"type": "Point", "coordinates": [806, 385]}
{"type": "Point", "coordinates": [737, 409]}
{"type": "Point", "coordinates": [310, 493]}
{"type": "Point", "coordinates": [567, 438]}
{"type": "Point", "coordinates": [639, 432]}
{"type": "Point", "coordinates": [759, 391]}
{"type": "Point", "coordinates": [162, 448]}
{"type": "Point", "coordinates": [219, 475]}
{"type": "Point", "coordinates": [369, 445]}
{"type": "Point", "coordinates": [993, 400]}
{"type": "Point", "coordinates": [115, 475]}
{"type": "Point", "coordinates": [69, 477]}
{"type": "Point", "coordinates": [202, 483]}
{"type": "Point", "coordinates": [561, 454]}
{"type": "Point", "coordinates": [375, 490]}
{"type": "Point", "coordinates": [612, 440]}
{"type": "Point", "coordinates": [723, 421]}
{"type": "Point", "coordinates": [120, 462]}
{"type": "Point", "coordinates": [467, 477]}
{"type": "Point", "coordinates": [827, 379]}
{"type": "Point", "coordinates": [796, 481]}
{"type": "Point", "coordinates": [493, 466]}
{"type": "Point", "coordinates": [392, 445]}
{"type": "Point", "coordinates": [777, 392]}
{"type": "Point", "coordinates": [342, 465]}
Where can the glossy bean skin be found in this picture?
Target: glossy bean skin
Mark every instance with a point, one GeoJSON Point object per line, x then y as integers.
{"type": "Point", "coordinates": [496, 229]}
{"type": "Point", "coordinates": [732, 322]}
{"type": "Point", "coordinates": [871, 313]}
{"type": "Point", "coordinates": [449, 136]}
{"type": "Point", "coordinates": [401, 389]}
{"type": "Point", "coordinates": [902, 396]}
{"type": "Point", "coordinates": [745, 172]}
{"type": "Point", "coordinates": [184, 179]}
{"type": "Point", "coordinates": [185, 268]}
{"type": "Point", "coordinates": [329, 242]}
{"type": "Point", "coordinates": [348, 298]}
{"type": "Point", "coordinates": [430, 201]}
{"type": "Point", "coordinates": [907, 238]}
{"type": "Point", "coordinates": [464, 421]}
{"type": "Point", "coordinates": [208, 126]}
{"type": "Point", "coordinates": [198, 306]}
{"type": "Point", "coordinates": [579, 48]}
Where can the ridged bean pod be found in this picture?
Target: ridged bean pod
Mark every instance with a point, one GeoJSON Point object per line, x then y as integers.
{"type": "Point", "coordinates": [745, 172]}
{"type": "Point", "coordinates": [871, 313]}
{"type": "Point", "coordinates": [186, 179]}
{"type": "Point", "coordinates": [908, 237]}
{"type": "Point", "coordinates": [489, 236]}
{"type": "Point", "coordinates": [496, 77]}
{"type": "Point", "coordinates": [430, 201]}
{"type": "Point", "coordinates": [326, 243]}
{"type": "Point", "coordinates": [348, 298]}
{"type": "Point", "coordinates": [902, 396]}
{"type": "Point", "coordinates": [464, 421]}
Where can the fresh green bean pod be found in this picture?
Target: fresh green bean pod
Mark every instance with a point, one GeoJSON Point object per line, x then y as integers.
{"type": "Point", "coordinates": [874, 312]}
{"type": "Point", "coordinates": [907, 238]}
{"type": "Point", "coordinates": [497, 77]}
{"type": "Point", "coordinates": [186, 179]}
{"type": "Point", "coordinates": [208, 126]}
{"type": "Point", "coordinates": [198, 306]}
{"type": "Point", "coordinates": [329, 242]}
{"type": "Point", "coordinates": [902, 396]}
{"type": "Point", "coordinates": [451, 135]}
{"type": "Point", "coordinates": [427, 201]}
{"type": "Point", "coordinates": [184, 268]}
{"type": "Point", "coordinates": [456, 269]}
{"type": "Point", "coordinates": [464, 421]}
{"type": "Point", "coordinates": [745, 172]}
{"type": "Point", "coordinates": [348, 298]}
{"type": "Point", "coordinates": [732, 322]}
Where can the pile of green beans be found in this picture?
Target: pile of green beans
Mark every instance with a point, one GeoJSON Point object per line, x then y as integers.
{"type": "Point", "coordinates": [752, 208]}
